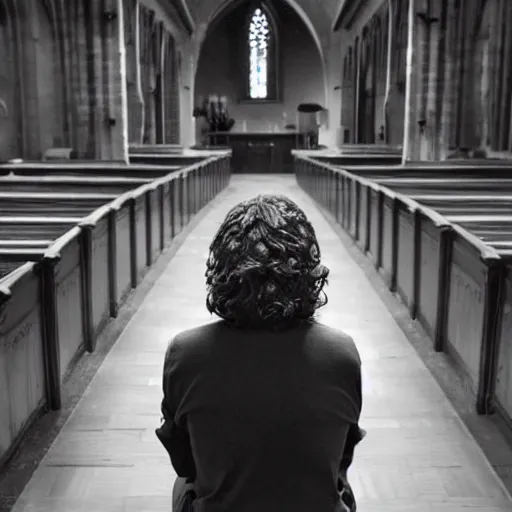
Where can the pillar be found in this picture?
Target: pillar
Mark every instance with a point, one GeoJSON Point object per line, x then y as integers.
{"type": "Point", "coordinates": [389, 63]}
{"type": "Point", "coordinates": [427, 20]}
{"type": "Point", "coordinates": [135, 103]}
{"type": "Point", "coordinates": [115, 143]}
{"type": "Point", "coordinates": [74, 87]}
{"type": "Point", "coordinates": [396, 78]}
{"type": "Point", "coordinates": [412, 64]}
{"type": "Point", "coordinates": [104, 65]}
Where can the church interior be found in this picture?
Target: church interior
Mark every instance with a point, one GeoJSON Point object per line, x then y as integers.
{"type": "Point", "coordinates": [129, 128]}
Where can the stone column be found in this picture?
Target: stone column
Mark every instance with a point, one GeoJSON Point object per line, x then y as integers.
{"type": "Point", "coordinates": [394, 103]}
{"type": "Point", "coordinates": [116, 101]}
{"type": "Point", "coordinates": [22, 59]}
{"type": "Point", "coordinates": [410, 121]}
{"type": "Point", "coordinates": [134, 96]}
{"type": "Point", "coordinates": [357, 89]}
{"type": "Point", "coordinates": [447, 139]}
{"type": "Point", "coordinates": [436, 78]}
{"type": "Point", "coordinates": [106, 79]}
{"type": "Point", "coordinates": [389, 63]}
{"type": "Point", "coordinates": [419, 129]}
{"type": "Point", "coordinates": [427, 24]}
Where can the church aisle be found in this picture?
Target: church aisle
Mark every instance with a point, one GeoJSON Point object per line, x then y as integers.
{"type": "Point", "coordinates": [417, 455]}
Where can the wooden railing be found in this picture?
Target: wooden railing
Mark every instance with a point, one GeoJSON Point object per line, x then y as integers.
{"type": "Point", "coordinates": [54, 307]}
{"type": "Point", "coordinates": [455, 285]}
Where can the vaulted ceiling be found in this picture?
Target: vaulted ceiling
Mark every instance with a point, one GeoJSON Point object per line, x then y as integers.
{"type": "Point", "coordinates": [321, 13]}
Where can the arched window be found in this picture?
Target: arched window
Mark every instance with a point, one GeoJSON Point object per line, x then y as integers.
{"type": "Point", "coordinates": [261, 83]}
{"type": "Point", "coordinates": [259, 35]}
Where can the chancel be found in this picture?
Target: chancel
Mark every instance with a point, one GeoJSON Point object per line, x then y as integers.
{"type": "Point", "coordinates": [255, 255]}
{"type": "Point", "coordinates": [251, 57]}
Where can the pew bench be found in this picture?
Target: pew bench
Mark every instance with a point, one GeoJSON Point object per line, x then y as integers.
{"type": "Point", "coordinates": [355, 159]}
{"type": "Point", "coordinates": [424, 258]}
{"type": "Point", "coordinates": [430, 170]}
{"type": "Point", "coordinates": [362, 148]}
{"type": "Point", "coordinates": [502, 247]}
{"type": "Point", "coordinates": [35, 228]}
{"type": "Point", "coordinates": [10, 244]}
{"type": "Point", "coordinates": [164, 159]}
{"type": "Point", "coordinates": [69, 184]}
{"type": "Point", "coordinates": [22, 255]}
{"type": "Point", "coordinates": [172, 149]}
{"type": "Point", "coordinates": [471, 204]}
{"type": "Point", "coordinates": [22, 244]}
{"type": "Point", "coordinates": [51, 204]}
{"type": "Point", "coordinates": [447, 186]}
{"type": "Point", "coordinates": [7, 268]}
{"type": "Point", "coordinates": [490, 219]}
{"type": "Point", "coordinates": [54, 309]}
{"type": "Point", "coordinates": [100, 169]}
{"type": "Point", "coordinates": [488, 227]}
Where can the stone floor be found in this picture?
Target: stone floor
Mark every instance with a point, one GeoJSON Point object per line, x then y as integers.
{"type": "Point", "coordinates": [418, 455]}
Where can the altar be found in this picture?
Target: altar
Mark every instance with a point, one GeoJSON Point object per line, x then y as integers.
{"type": "Point", "coordinates": [258, 152]}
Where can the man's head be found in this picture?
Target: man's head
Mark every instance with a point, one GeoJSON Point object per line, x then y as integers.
{"type": "Point", "coordinates": [264, 269]}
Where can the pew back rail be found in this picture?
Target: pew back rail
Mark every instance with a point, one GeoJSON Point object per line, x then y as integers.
{"type": "Point", "coordinates": [54, 308]}
{"type": "Point", "coordinates": [450, 280]}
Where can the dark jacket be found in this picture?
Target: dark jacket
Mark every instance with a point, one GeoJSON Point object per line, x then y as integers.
{"type": "Point", "coordinates": [261, 420]}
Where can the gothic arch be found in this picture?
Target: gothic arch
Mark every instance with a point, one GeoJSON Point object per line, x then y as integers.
{"type": "Point", "coordinates": [228, 5]}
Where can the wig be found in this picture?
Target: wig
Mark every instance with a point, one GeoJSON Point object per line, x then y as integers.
{"type": "Point", "coordinates": [264, 270]}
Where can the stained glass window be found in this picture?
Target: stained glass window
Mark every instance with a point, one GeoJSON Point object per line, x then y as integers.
{"type": "Point", "coordinates": [259, 38]}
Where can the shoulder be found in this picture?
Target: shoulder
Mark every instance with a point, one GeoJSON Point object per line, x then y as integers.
{"type": "Point", "coordinates": [190, 343]}
{"type": "Point", "coordinates": [335, 343]}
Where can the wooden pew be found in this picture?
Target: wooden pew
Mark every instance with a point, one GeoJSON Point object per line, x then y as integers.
{"type": "Point", "coordinates": [158, 159]}
{"type": "Point", "coordinates": [23, 244]}
{"type": "Point", "coordinates": [22, 255]}
{"type": "Point", "coordinates": [446, 186]}
{"type": "Point", "coordinates": [489, 227]}
{"type": "Point", "coordinates": [84, 169]}
{"type": "Point", "coordinates": [54, 309]}
{"type": "Point", "coordinates": [437, 269]}
{"type": "Point", "coordinates": [355, 159]}
{"type": "Point", "coordinates": [35, 228]}
{"type": "Point", "coordinates": [430, 170]}
{"type": "Point", "coordinates": [8, 267]}
{"type": "Point", "coordinates": [145, 149]}
{"type": "Point", "coordinates": [58, 184]}
{"type": "Point", "coordinates": [501, 246]}
{"type": "Point", "coordinates": [370, 149]}
{"type": "Point", "coordinates": [39, 204]}
{"type": "Point", "coordinates": [449, 204]}
{"type": "Point", "coordinates": [490, 219]}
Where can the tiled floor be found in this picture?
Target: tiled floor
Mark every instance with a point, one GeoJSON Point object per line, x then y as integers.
{"type": "Point", "coordinates": [417, 456]}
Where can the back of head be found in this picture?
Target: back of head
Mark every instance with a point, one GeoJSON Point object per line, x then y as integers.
{"type": "Point", "coordinates": [264, 269]}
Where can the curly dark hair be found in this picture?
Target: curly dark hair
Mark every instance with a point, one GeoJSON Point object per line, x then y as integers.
{"type": "Point", "coordinates": [264, 269]}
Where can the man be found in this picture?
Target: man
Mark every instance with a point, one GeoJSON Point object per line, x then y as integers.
{"type": "Point", "coordinates": [261, 408]}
